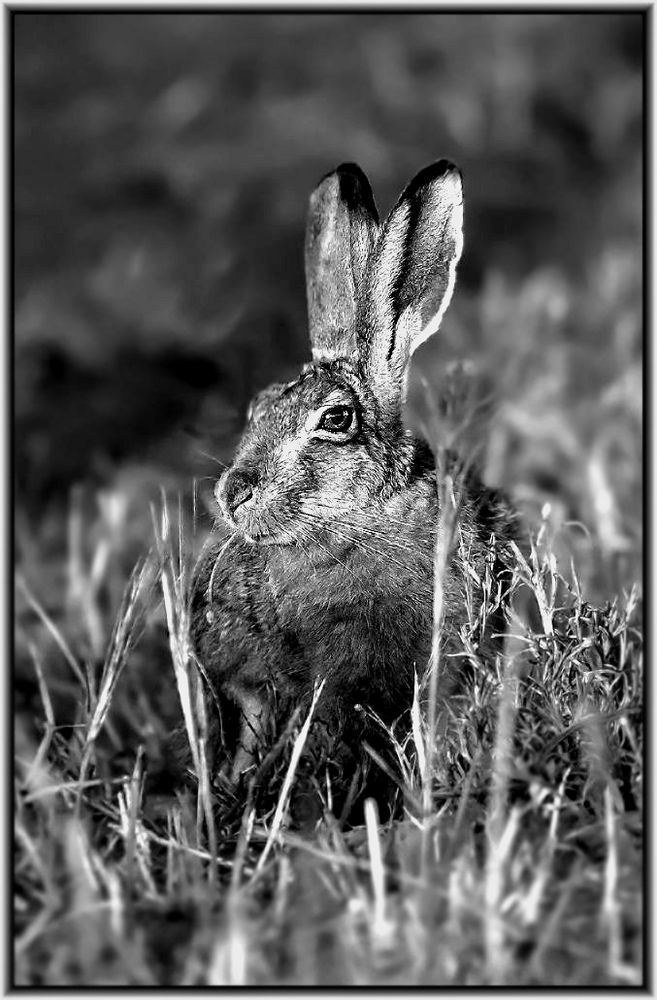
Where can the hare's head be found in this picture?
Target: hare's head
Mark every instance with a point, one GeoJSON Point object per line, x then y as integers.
{"type": "Point", "coordinates": [332, 441]}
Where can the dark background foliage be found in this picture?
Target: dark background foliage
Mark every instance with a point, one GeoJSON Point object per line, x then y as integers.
{"type": "Point", "coordinates": [161, 173]}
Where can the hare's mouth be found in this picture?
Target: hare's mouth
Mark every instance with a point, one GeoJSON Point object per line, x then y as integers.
{"type": "Point", "coordinates": [260, 527]}
{"type": "Point", "coordinates": [260, 537]}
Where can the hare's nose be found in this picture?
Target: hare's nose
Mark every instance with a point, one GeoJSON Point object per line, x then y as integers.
{"type": "Point", "coordinates": [235, 490]}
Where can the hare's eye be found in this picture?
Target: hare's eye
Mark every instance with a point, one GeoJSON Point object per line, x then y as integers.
{"type": "Point", "coordinates": [337, 419]}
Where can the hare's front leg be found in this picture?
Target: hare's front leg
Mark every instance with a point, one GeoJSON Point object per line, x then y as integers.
{"type": "Point", "coordinates": [254, 723]}
{"type": "Point", "coordinates": [238, 643]}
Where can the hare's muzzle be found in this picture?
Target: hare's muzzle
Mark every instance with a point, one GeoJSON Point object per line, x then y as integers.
{"type": "Point", "coordinates": [234, 489]}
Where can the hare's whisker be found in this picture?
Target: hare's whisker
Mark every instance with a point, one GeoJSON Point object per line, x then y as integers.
{"type": "Point", "coordinates": [213, 458]}
{"type": "Point", "coordinates": [328, 552]}
{"type": "Point", "coordinates": [360, 522]}
{"type": "Point", "coordinates": [405, 568]}
{"type": "Point", "coordinates": [359, 526]}
{"type": "Point", "coordinates": [338, 530]}
{"type": "Point", "coordinates": [216, 565]}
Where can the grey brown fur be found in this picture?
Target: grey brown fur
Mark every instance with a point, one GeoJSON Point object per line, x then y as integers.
{"type": "Point", "coordinates": [322, 562]}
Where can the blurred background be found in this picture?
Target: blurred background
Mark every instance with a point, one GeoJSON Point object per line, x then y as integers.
{"type": "Point", "coordinates": [162, 166]}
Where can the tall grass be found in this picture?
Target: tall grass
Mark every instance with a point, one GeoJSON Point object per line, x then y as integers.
{"type": "Point", "coordinates": [516, 858]}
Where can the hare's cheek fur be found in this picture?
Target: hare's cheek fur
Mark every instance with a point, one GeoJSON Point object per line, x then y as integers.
{"type": "Point", "coordinates": [304, 484]}
{"type": "Point", "coordinates": [340, 480]}
{"type": "Point", "coordinates": [290, 475]}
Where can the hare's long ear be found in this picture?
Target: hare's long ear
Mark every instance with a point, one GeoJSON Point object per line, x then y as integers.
{"type": "Point", "coordinates": [341, 231]}
{"type": "Point", "coordinates": [410, 280]}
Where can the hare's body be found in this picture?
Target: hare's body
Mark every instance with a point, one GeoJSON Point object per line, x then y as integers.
{"type": "Point", "coordinates": [324, 611]}
{"type": "Point", "coordinates": [324, 567]}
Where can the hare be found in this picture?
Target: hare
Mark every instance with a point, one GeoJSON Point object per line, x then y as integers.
{"type": "Point", "coordinates": [322, 564]}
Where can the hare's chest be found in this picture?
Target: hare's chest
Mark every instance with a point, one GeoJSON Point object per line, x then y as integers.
{"type": "Point", "coordinates": [355, 622]}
